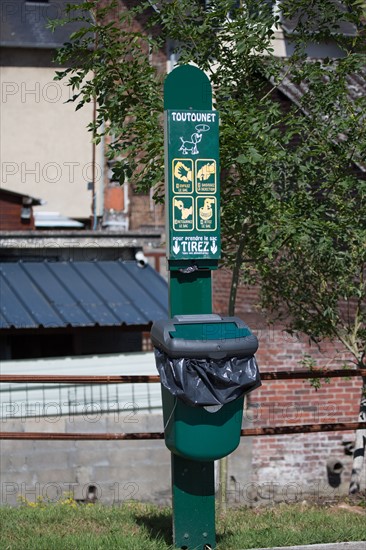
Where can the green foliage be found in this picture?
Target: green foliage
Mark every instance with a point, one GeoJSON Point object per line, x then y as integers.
{"type": "Point", "coordinates": [309, 363]}
{"type": "Point", "coordinates": [293, 203]}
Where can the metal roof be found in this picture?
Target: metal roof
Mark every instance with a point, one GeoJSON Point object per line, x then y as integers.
{"type": "Point", "coordinates": [356, 88]}
{"type": "Point", "coordinates": [345, 27]}
{"type": "Point", "coordinates": [24, 24]}
{"type": "Point", "coordinates": [80, 294]}
{"type": "Point", "coordinates": [20, 198]}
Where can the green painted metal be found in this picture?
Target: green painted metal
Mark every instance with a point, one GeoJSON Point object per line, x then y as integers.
{"type": "Point", "coordinates": [193, 487]}
{"type": "Point", "coordinates": [190, 292]}
{"type": "Point", "coordinates": [209, 331]}
{"type": "Point", "coordinates": [192, 184]}
{"type": "Point", "coordinates": [187, 87]}
{"type": "Point", "coordinates": [196, 433]}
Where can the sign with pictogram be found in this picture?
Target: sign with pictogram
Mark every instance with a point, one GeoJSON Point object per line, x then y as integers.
{"type": "Point", "coordinates": [206, 213]}
{"type": "Point", "coordinates": [183, 215]}
{"type": "Point", "coordinates": [206, 175]}
{"type": "Point", "coordinates": [192, 184]}
{"type": "Point", "coordinates": [182, 170]}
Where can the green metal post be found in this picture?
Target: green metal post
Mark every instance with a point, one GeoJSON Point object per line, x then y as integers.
{"type": "Point", "coordinates": [193, 486]}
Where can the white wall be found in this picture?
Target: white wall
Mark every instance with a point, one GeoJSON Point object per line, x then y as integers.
{"type": "Point", "coordinates": [45, 147]}
{"type": "Point", "coordinates": [50, 401]}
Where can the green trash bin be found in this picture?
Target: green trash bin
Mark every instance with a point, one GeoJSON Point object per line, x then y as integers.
{"type": "Point", "coordinates": [206, 365]}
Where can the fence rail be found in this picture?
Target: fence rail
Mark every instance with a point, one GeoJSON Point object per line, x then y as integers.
{"type": "Point", "coordinates": [140, 379]}
{"type": "Point", "coordinates": [128, 379]}
{"type": "Point", "coordinates": [247, 432]}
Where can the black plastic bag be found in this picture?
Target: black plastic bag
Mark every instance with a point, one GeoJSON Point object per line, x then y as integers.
{"type": "Point", "coordinates": [206, 382]}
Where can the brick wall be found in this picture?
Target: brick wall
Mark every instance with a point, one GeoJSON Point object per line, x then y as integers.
{"type": "Point", "coordinates": [10, 212]}
{"type": "Point", "coordinates": [292, 466]}
{"type": "Point", "coordinates": [144, 213]}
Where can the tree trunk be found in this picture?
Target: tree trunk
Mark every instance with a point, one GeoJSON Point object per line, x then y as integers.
{"type": "Point", "coordinates": [223, 485]}
{"type": "Point", "coordinates": [360, 445]}
{"type": "Point", "coordinates": [223, 469]}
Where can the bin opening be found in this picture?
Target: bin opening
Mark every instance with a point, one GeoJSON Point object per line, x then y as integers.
{"type": "Point", "coordinates": [209, 331]}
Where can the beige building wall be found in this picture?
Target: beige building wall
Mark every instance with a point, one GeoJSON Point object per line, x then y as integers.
{"type": "Point", "coordinates": [46, 150]}
{"type": "Point", "coordinates": [279, 44]}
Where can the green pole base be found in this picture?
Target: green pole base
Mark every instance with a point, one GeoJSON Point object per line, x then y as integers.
{"type": "Point", "coordinates": [193, 504]}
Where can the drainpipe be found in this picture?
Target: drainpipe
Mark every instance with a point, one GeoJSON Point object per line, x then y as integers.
{"type": "Point", "coordinates": [334, 470]}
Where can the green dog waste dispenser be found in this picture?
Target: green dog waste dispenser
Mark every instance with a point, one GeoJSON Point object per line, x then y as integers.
{"type": "Point", "coordinates": [206, 365]}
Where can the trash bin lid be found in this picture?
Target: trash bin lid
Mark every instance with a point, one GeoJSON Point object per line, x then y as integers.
{"type": "Point", "coordinates": [205, 335]}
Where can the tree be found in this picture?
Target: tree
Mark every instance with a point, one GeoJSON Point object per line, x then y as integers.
{"type": "Point", "coordinates": [293, 201]}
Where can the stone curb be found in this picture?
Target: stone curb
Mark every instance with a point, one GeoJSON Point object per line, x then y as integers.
{"type": "Point", "coordinates": [358, 545]}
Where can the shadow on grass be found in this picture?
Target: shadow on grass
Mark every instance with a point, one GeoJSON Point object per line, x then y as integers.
{"type": "Point", "coordinates": [158, 525]}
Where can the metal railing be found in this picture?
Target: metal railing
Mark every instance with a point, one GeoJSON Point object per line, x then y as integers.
{"type": "Point", "coordinates": [136, 379]}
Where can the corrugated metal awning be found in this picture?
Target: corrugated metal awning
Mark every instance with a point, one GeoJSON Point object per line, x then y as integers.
{"type": "Point", "coordinates": [80, 294]}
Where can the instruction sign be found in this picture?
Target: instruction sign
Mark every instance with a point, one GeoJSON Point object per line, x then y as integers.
{"type": "Point", "coordinates": [192, 184]}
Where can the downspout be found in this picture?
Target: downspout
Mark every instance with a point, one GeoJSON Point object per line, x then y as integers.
{"type": "Point", "coordinates": [94, 200]}
{"type": "Point", "coordinates": [93, 183]}
{"type": "Point", "coordinates": [100, 194]}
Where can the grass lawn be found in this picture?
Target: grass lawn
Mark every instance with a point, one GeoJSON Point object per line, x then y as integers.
{"type": "Point", "coordinates": [135, 526]}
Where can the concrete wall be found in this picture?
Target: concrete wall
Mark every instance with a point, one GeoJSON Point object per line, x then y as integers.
{"type": "Point", "coordinates": [261, 471]}
{"type": "Point", "coordinates": [119, 470]}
